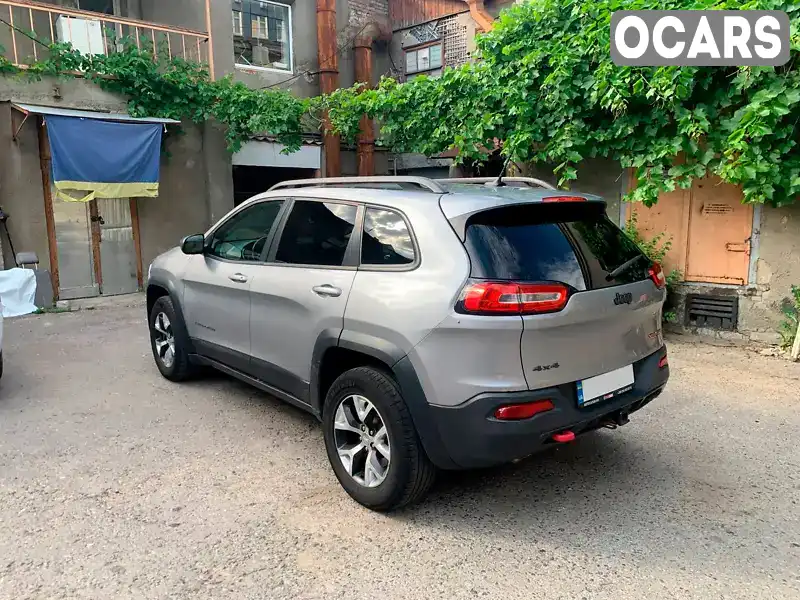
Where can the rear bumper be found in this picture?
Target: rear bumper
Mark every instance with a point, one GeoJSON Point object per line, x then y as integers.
{"type": "Point", "coordinates": [471, 437]}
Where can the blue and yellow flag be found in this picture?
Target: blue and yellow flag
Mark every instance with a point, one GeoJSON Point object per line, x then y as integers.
{"type": "Point", "coordinates": [104, 158]}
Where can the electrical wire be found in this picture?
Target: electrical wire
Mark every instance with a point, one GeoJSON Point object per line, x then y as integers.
{"type": "Point", "coordinates": [25, 33]}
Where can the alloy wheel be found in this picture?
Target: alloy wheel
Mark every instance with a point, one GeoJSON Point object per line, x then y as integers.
{"type": "Point", "coordinates": [362, 440]}
{"type": "Point", "coordinates": [164, 340]}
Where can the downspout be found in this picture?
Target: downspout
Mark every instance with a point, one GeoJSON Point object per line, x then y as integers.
{"type": "Point", "coordinates": [365, 152]}
{"type": "Point", "coordinates": [210, 42]}
{"type": "Point", "coordinates": [480, 15]}
{"type": "Point", "coordinates": [327, 55]}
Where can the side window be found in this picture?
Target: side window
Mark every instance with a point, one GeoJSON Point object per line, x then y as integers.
{"type": "Point", "coordinates": [386, 239]}
{"type": "Point", "coordinates": [244, 236]}
{"type": "Point", "coordinates": [317, 233]}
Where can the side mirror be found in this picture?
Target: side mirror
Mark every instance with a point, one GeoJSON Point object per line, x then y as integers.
{"type": "Point", "coordinates": [193, 244]}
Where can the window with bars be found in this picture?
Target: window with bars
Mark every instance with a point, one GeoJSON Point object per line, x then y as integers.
{"type": "Point", "coordinates": [262, 34]}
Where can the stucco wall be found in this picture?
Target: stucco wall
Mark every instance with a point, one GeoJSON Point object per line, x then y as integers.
{"type": "Point", "coordinates": [179, 209]}
{"type": "Point", "coordinates": [600, 176]}
{"type": "Point", "coordinates": [21, 194]}
{"type": "Point", "coordinates": [778, 268]}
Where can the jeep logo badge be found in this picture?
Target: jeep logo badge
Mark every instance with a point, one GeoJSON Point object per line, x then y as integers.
{"type": "Point", "coordinates": [623, 298]}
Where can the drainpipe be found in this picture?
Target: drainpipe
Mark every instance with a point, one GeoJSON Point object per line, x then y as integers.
{"type": "Point", "coordinates": [480, 15]}
{"type": "Point", "coordinates": [365, 152]}
{"type": "Point", "coordinates": [327, 54]}
{"type": "Point", "coordinates": [210, 42]}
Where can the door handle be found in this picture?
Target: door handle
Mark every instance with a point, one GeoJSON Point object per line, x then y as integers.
{"type": "Point", "coordinates": [238, 278]}
{"type": "Point", "coordinates": [327, 290]}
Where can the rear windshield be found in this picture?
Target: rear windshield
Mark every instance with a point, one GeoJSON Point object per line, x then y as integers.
{"type": "Point", "coordinates": [576, 244]}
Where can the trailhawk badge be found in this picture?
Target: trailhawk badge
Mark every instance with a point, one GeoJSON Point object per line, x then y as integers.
{"type": "Point", "coordinates": [623, 298]}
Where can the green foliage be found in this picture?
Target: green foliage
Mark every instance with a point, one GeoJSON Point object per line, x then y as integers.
{"type": "Point", "coordinates": [655, 248]}
{"type": "Point", "coordinates": [791, 313]}
{"type": "Point", "coordinates": [545, 90]}
{"type": "Point", "coordinates": [160, 86]}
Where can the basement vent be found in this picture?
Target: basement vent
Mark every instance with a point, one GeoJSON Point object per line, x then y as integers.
{"type": "Point", "coordinates": [715, 312]}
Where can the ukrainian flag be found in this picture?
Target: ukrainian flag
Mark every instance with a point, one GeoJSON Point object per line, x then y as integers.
{"type": "Point", "coordinates": [104, 159]}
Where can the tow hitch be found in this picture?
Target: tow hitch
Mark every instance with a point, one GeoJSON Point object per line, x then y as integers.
{"type": "Point", "coordinates": [617, 419]}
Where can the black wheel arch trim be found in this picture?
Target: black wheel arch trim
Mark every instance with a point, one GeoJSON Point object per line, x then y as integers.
{"type": "Point", "coordinates": [404, 373]}
{"type": "Point", "coordinates": [180, 327]}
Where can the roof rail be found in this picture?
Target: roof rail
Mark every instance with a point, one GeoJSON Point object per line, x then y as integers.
{"type": "Point", "coordinates": [372, 181]}
{"type": "Point", "coordinates": [531, 181]}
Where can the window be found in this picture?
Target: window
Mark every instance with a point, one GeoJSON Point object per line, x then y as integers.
{"type": "Point", "coordinates": [262, 34]}
{"type": "Point", "coordinates": [386, 239]}
{"type": "Point", "coordinates": [317, 233]}
{"type": "Point", "coordinates": [424, 61]}
{"type": "Point", "coordinates": [575, 245]}
{"type": "Point", "coordinates": [244, 236]}
{"type": "Point", "coordinates": [100, 6]}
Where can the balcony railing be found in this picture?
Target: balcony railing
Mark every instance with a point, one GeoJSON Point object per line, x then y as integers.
{"type": "Point", "coordinates": [88, 32]}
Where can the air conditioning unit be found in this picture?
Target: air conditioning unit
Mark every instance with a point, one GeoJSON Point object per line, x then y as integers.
{"type": "Point", "coordinates": [85, 35]}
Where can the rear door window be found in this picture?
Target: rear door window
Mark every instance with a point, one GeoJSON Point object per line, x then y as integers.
{"type": "Point", "coordinates": [317, 233]}
{"type": "Point", "coordinates": [575, 244]}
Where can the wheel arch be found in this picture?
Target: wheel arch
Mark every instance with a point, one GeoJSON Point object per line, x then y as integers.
{"type": "Point", "coordinates": [336, 352]}
{"type": "Point", "coordinates": [158, 289]}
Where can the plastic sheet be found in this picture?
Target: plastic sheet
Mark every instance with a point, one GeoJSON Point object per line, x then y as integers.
{"type": "Point", "coordinates": [17, 292]}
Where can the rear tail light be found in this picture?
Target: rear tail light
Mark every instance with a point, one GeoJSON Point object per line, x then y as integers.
{"type": "Point", "coordinates": [657, 275]}
{"type": "Point", "coordinates": [496, 298]}
{"type": "Point", "coordinates": [663, 362]}
{"type": "Point", "coordinates": [515, 412]}
{"type": "Point", "coordinates": [564, 199]}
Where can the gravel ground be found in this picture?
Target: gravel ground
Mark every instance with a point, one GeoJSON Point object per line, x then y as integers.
{"type": "Point", "coordinates": [115, 483]}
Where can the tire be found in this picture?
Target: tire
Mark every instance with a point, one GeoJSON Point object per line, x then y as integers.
{"type": "Point", "coordinates": [409, 473]}
{"type": "Point", "coordinates": [180, 367]}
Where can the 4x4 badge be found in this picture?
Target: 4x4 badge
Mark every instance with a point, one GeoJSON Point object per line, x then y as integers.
{"type": "Point", "coordinates": [623, 298]}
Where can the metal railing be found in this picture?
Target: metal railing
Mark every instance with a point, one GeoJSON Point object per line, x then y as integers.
{"type": "Point", "coordinates": [89, 32]}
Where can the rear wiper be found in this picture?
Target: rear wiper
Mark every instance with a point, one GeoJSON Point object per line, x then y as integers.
{"type": "Point", "coordinates": [624, 267]}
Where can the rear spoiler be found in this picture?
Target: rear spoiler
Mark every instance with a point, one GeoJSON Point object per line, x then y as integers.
{"type": "Point", "coordinates": [569, 204]}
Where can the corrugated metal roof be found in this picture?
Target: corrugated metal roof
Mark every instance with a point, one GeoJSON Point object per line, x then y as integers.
{"type": "Point", "coordinates": [309, 139]}
{"type": "Point", "coordinates": [87, 114]}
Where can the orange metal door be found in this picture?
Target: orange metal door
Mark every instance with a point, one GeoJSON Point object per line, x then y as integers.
{"type": "Point", "coordinates": [719, 230]}
{"type": "Point", "coordinates": [669, 218]}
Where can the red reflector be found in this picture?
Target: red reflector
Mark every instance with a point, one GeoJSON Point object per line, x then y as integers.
{"type": "Point", "coordinates": [563, 437]}
{"type": "Point", "coordinates": [663, 362]}
{"type": "Point", "coordinates": [657, 275]}
{"type": "Point", "coordinates": [513, 298]}
{"type": "Point", "coordinates": [514, 412]}
{"type": "Point", "coordinates": [564, 199]}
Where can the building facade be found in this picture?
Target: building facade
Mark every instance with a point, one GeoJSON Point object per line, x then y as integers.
{"type": "Point", "coordinates": [104, 246]}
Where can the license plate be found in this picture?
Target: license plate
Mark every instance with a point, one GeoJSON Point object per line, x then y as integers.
{"type": "Point", "coordinates": [605, 386]}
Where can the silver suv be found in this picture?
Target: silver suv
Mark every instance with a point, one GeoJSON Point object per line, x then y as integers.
{"type": "Point", "coordinates": [427, 323]}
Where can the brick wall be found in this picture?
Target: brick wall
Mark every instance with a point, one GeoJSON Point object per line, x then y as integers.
{"type": "Point", "coordinates": [362, 11]}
